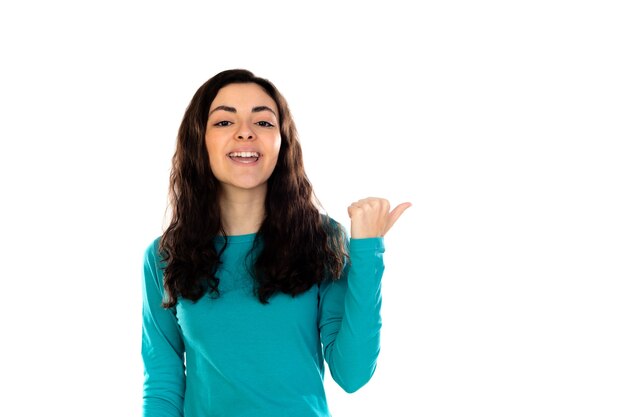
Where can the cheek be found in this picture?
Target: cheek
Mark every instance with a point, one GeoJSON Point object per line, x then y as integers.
{"type": "Point", "coordinates": [211, 145]}
{"type": "Point", "coordinates": [275, 152]}
{"type": "Point", "coordinates": [276, 145]}
{"type": "Point", "coordinates": [213, 155]}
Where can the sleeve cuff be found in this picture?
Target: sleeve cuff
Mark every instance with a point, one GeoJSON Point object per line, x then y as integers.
{"type": "Point", "coordinates": [375, 244]}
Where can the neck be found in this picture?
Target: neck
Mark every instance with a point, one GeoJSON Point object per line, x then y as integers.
{"type": "Point", "coordinates": [242, 211]}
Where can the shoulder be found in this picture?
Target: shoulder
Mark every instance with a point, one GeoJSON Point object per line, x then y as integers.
{"type": "Point", "coordinates": [151, 252]}
{"type": "Point", "coordinates": [153, 265]}
{"type": "Point", "coordinates": [333, 227]}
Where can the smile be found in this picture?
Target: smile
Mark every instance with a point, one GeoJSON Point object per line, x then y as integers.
{"type": "Point", "coordinates": [244, 157]}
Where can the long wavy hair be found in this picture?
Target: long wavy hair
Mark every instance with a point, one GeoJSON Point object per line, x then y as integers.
{"type": "Point", "coordinates": [297, 245]}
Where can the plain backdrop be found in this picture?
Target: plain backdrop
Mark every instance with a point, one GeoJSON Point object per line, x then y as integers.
{"type": "Point", "coordinates": [503, 122]}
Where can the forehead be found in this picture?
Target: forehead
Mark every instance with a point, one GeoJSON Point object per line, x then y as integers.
{"type": "Point", "coordinates": [243, 96]}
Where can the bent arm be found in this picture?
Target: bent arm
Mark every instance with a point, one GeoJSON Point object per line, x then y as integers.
{"type": "Point", "coordinates": [350, 319]}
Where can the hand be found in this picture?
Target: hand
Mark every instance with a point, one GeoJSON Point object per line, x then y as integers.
{"type": "Point", "coordinates": [370, 217]}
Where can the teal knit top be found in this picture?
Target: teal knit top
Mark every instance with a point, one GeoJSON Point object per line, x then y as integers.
{"type": "Point", "coordinates": [233, 356]}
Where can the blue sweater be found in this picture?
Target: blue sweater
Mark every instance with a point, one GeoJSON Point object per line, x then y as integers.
{"type": "Point", "coordinates": [233, 356]}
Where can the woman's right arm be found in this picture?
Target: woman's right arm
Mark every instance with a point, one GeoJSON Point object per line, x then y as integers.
{"type": "Point", "coordinates": [162, 347]}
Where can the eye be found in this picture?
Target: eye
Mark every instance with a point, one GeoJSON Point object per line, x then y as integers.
{"type": "Point", "coordinates": [223, 123]}
{"type": "Point", "coordinates": [263, 123]}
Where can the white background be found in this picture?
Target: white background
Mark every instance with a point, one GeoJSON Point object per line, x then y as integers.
{"type": "Point", "coordinates": [502, 122]}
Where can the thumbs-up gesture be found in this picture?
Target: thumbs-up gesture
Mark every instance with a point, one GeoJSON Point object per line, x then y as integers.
{"type": "Point", "coordinates": [370, 217]}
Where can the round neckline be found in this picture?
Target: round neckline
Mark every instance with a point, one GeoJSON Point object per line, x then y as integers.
{"type": "Point", "coordinates": [237, 238]}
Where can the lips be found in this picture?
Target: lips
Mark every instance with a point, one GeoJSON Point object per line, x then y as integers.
{"type": "Point", "coordinates": [246, 157]}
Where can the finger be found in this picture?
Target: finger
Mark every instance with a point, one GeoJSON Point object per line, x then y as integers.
{"type": "Point", "coordinates": [352, 208]}
{"type": "Point", "coordinates": [395, 214]}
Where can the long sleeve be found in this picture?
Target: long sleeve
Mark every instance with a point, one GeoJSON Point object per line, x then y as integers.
{"type": "Point", "coordinates": [350, 318]}
{"type": "Point", "coordinates": [162, 346]}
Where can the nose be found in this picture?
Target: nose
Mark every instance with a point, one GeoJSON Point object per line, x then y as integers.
{"type": "Point", "coordinates": [245, 133]}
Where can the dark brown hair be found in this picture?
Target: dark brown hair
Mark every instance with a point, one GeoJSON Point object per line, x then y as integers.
{"type": "Point", "coordinates": [298, 246]}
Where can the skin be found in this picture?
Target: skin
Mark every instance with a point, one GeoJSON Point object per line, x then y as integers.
{"type": "Point", "coordinates": [370, 217]}
{"type": "Point", "coordinates": [235, 122]}
{"type": "Point", "coordinates": [243, 116]}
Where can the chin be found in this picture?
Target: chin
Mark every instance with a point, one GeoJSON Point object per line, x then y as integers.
{"type": "Point", "coordinates": [250, 186]}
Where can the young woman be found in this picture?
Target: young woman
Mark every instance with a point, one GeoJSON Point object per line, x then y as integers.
{"type": "Point", "coordinates": [251, 288]}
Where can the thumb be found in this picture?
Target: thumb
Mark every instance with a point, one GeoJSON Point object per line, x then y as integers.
{"type": "Point", "coordinates": [395, 214]}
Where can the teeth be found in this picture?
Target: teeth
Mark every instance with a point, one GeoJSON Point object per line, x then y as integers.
{"type": "Point", "coordinates": [244, 154]}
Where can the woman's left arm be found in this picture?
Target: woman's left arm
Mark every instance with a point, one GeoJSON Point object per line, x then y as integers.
{"type": "Point", "coordinates": [350, 307]}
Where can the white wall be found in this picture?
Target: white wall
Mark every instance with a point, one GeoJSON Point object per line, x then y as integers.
{"type": "Point", "coordinates": [502, 122]}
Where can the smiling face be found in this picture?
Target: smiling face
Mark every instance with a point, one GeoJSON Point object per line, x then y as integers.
{"type": "Point", "coordinates": [243, 137]}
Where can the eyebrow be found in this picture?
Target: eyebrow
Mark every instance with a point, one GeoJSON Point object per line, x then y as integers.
{"type": "Point", "coordinates": [234, 110]}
